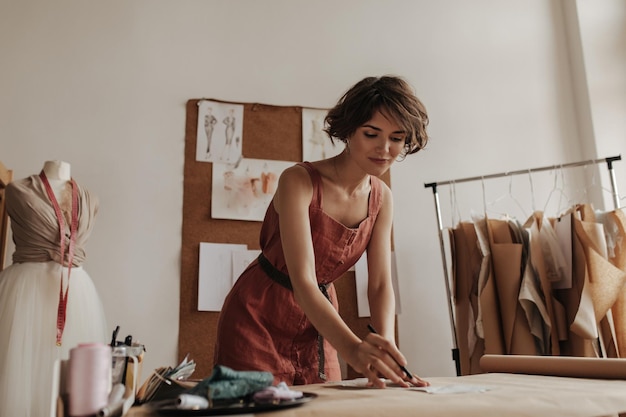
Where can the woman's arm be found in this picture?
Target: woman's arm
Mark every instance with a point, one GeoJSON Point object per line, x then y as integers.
{"type": "Point", "coordinates": [379, 286]}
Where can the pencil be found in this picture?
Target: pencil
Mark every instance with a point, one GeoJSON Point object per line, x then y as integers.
{"type": "Point", "coordinates": [406, 371]}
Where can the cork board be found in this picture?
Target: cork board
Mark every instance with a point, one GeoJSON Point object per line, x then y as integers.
{"type": "Point", "coordinates": [269, 132]}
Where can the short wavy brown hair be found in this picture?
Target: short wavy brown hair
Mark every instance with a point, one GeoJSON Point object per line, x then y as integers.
{"type": "Point", "coordinates": [390, 94]}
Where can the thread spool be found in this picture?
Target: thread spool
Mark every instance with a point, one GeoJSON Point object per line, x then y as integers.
{"type": "Point", "coordinates": [89, 379]}
{"type": "Point", "coordinates": [191, 402]}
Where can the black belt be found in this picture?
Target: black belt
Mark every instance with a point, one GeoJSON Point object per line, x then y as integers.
{"type": "Point", "coordinates": [283, 280]}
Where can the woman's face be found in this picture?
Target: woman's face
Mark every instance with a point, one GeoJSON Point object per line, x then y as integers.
{"type": "Point", "coordinates": [376, 144]}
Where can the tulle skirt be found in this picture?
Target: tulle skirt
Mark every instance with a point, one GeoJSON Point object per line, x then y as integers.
{"type": "Point", "coordinates": [29, 296]}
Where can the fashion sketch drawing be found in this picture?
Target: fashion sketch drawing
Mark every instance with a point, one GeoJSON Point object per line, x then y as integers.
{"type": "Point", "coordinates": [243, 190]}
{"type": "Point", "coordinates": [315, 143]}
{"type": "Point", "coordinates": [219, 132]}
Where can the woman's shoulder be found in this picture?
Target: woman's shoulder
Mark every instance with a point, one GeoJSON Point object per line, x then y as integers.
{"type": "Point", "coordinates": [308, 169]}
{"type": "Point", "coordinates": [294, 184]}
{"type": "Point", "coordinates": [323, 167]}
{"type": "Point", "coordinates": [295, 171]}
{"type": "Point", "coordinates": [295, 177]}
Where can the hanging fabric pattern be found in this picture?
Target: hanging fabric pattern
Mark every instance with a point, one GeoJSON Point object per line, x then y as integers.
{"type": "Point", "coordinates": [466, 266]}
{"type": "Point", "coordinates": [617, 219]}
{"type": "Point", "coordinates": [489, 322]}
{"type": "Point", "coordinates": [548, 286]}
{"type": "Point", "coordinates": [507, 267]}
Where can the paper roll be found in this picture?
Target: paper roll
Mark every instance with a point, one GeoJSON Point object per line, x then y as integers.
{"type": "Point", "coordinates": [579, 367]}
{"type": "Point", "coordinates": [89, 379]}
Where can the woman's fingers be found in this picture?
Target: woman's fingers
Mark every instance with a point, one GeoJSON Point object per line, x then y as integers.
{"type": "Point", "coordinates": [379, 367]}
{"type": "Point", "coordinates": [419, 382]}
{"type": "Point", "coordinates": [386, 360]}
{"type": "Point", "coordinates": [373, 379]}
{"type": "Point", "coordinates": [387, 347]}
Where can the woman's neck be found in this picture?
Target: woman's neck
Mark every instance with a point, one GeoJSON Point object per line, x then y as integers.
{"type": "Point", "coordinates": [57, 170]}
{"type": "Point", "coordinates": [348, 176]}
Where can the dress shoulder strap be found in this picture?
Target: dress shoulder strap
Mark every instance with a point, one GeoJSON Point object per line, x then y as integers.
{"type": "Point", "coordinates": [316, 180]}
{"type": "Point", "coordinates": [376, 194]}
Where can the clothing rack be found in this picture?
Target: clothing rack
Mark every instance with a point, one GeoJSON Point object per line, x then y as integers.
{"type": "Point", "coordinates": [433, 185]}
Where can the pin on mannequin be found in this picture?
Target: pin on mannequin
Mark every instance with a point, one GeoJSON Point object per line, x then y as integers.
{"type": "Point", "coordinates": [58, 174]}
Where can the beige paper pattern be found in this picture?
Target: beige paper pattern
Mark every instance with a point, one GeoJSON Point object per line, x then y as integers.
{"type": "Point", "coordinates": [603, 281]}
{"type": "Point", "coordinates": [532, 300]}
{"type": "Point", "coordinates": [507, 258]}
{"type": "Point", "coordinates": [619, 260]}
{"type": "Point", "coordinates": [556, 310]}
{"type": "Point", "coordinates": [516, 307]}
{"type": "Point", "coordinates": [466, 263]}
{"type": "Point", "coordinates": [489, 322]}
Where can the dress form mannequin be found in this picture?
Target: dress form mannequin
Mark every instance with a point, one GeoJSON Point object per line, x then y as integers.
{"type": "Point", "coordinates": [33, 288]}
{"type": "Point", "coordinates": [57, 173]}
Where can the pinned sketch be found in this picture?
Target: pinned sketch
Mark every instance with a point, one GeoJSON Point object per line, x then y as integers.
{"type": "Point", "coordinates": [242, 191]}
{"type": "Point", "coordinates": [215, 276]}
{"type": "Point", "coordinates": [220, 129]}
{"type": "Point", "coordinates": [316, 144]}
{"type": "Point", "coordinates": [361, 276]}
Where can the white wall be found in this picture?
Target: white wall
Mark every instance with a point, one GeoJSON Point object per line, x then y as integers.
{"type": "Point", "coordinates": [103, 85]}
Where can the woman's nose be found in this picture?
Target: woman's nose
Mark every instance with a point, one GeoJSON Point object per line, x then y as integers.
{"type": "Point", "coordinates": [383, 145]}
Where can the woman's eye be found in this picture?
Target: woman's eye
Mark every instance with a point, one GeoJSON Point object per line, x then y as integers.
{"type": "Point", "coordinates": [370, 135]}
{"type": "Point", "coordinates": [397, 139]}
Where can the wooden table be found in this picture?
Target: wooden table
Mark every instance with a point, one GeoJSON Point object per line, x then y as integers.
{"type": "Point", "coordinates": [507, 395]}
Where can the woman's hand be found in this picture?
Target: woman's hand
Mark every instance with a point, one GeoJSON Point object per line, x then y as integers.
{"type": "Point", "coordinates": [377, 357]}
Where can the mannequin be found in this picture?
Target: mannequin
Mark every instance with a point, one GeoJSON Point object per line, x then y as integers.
{"type": "Point", "coordinates": [58, 174]}
{"type": "Point", "coordinates": [46, 277]}
{"type": "Point", "coordinates": [57, 170]}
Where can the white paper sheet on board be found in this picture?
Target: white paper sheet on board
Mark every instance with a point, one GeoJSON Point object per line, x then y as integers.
{"type": "Point", "coordinates": [241, 260]}
{"type": "Point", "coordinates": [215, 277]}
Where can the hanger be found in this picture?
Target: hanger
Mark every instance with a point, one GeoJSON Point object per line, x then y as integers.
{"type": "Point", "coordinates": [451, 191]}
{"type": "Point", "coordinates": [515, 200]}
{"type": "Point", "coordinates": [454, 206]}
{"type": "Point", "coordinates": [532, 191]}
{"type": "Point", "coordinates": [510, 195]}
{"type": "Point", "coordinates": [482, 183]}
{"type": "Point", "coordinates": [556, 189]}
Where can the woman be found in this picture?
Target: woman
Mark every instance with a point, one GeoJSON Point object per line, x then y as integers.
{"type": "Point", "coordinates": [322, 218]}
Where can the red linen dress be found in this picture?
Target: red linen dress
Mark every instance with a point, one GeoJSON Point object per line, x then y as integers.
{"type": "Point", "coordinates": [261, 327]}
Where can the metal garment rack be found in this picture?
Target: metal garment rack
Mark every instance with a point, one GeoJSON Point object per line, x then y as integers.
{"type": "Point", "coordinates": [616, 201]}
